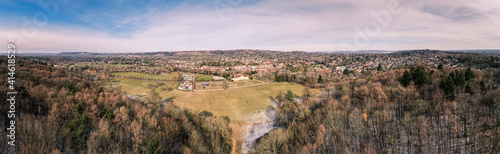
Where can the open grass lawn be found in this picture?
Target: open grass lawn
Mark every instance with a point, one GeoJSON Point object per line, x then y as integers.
{"type": "Point", "coordinates": [140, 87]}
{"type": "Point", "coordinates": [235, 102]}
{"type": "Point", "coordinates": [133, 87]}
{"type": "Point", "coordinates": [244, 83]}
{"type": "Point", "coordinates": [213, 86]}
{"type": "Point", "coordinates": [170, 76]}
{"type": "Point", "coordinates": [205, 78]}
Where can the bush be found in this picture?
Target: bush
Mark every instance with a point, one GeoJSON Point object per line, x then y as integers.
{"type": "Point", "coordinates": [155, 147]}
{"type": "Point", "coordinates": [205, 114]}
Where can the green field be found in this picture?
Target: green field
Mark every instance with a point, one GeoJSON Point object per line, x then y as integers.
{"type": "Point", "coordinates": [243, 83]}
{"type": "Point", "coordinates": [214, 85]}
{"type": "Point", "coordinates": [205, 78]}
{"type": "Point", "coordinates": [234, 102]}
{"type": "Point", "coordinates": [170, 76]}
{"type": "Point", "coordinates": [139, 87]}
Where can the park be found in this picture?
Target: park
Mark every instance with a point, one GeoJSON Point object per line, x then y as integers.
{"type": "Point", "coordinates": [243, 101]}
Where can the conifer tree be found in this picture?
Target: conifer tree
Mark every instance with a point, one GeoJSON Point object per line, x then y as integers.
{"type": "Point", "coordinates": [405, 79]}
{"type": "Point", "coordinates": [155, 147]}
{"type": "Point", "coordinates": [469, 74]}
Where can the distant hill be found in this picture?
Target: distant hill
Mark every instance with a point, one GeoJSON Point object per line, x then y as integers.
{"type": "Point", "coordinates": [80, 53]}
{"type": "Point", "coordinates": [360, 51]}
{"type": "Point", "coordinates": [192, 53]}
{"type": "Point", "coordinates": [494, 52]}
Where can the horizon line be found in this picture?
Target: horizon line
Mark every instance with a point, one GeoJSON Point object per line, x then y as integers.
{"type": "Point", "coordinates": [31, 52]}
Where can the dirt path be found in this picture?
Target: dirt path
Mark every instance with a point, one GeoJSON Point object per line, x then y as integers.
{"type": "Point", "coordinates": [233, 151]}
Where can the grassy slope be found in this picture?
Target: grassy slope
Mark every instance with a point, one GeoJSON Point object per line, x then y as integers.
{"type": "Point", "coordinates": [205, 78]}
{"type": "Point", "coordinates": [133, 87]}
{"type": "Point", "coordinates": [235, 103]}
{"type": "Point", "coordinates": [169, 76]}
{"type": "Point", "coordinates": [139, 87]}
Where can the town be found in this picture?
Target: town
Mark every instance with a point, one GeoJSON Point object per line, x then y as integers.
{"type": "Point", "coordinates": [313, 69]}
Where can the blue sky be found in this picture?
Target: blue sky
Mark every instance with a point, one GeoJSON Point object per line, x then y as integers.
{"type": "Point", "coordinates": [306, 25]}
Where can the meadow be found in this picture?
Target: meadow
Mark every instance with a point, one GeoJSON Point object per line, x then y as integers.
{"type": "Point", "coordinates": [234, 102]}
{"type": "Point", "coordinates": [205, 78]}
{"type": "Point", "coordinates": [169, 76]}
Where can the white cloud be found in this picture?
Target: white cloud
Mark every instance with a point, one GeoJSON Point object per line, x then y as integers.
{"type": "Point", "coordinates": [316, 25]}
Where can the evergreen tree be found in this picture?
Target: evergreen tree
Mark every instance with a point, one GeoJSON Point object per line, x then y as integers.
{"type": "Point", "coordinates": [290, 96]}
{"type": "Point", "coordinates": [469, 90]}
{"type": "Point", "coordinates": [469, 74]}
{"type": "Point", "coordinates": [448, 85]}
{"type": "Point", "coordinates": [419, 75]}
{"type": "Point", "coordinates": [155, 147]}
{"type": "Point", "coordinates": [483, 85]}
{"type": "Point", "coordinates": [346, 71]}
{"type": "Point", "coordinates": [459, 78]}
{"type": "Point", "coordinates": [441, 67]}
{"type": "Point", "coordinates": [405, 79]}
{"type": "Point", "coordinates": [379, 68]}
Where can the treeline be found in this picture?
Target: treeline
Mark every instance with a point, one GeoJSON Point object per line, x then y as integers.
{"type": "Point", "coordinates": [312, 80]}
{"type": "Point", "coordinates": [58, 111]}
{"type": "Point", "coordinates": [218, 63]}
{"type": "Point", "coordinates": [402, 111]}
{"type": "Point", "coordinates": [479, 61]}
{"type": "Point", "coordinates": [144, 78]}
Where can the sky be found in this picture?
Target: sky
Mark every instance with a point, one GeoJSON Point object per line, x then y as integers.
{"type": "Point", "coordinates": [283, 25]}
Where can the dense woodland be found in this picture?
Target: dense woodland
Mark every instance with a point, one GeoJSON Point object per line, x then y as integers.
{"type": "Point", "coordinates": [415, 110]}
{"type": "Point", "coordinates": [59, 111]}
